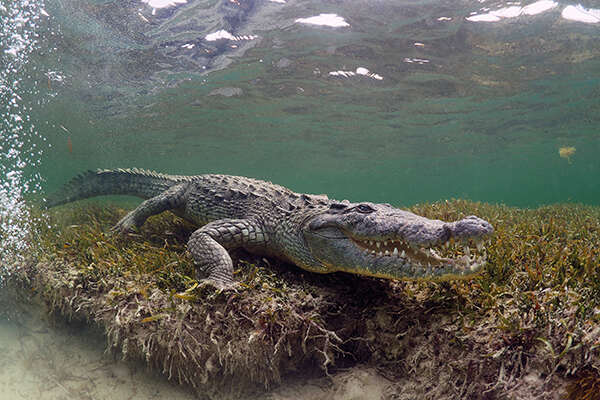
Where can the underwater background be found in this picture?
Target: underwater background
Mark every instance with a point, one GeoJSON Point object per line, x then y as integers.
{"type": "Point", "coordinates": [397, 101]}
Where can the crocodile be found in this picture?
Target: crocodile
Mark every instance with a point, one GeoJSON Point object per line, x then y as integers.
{"type": "Point", "coordinates": [314, 232]}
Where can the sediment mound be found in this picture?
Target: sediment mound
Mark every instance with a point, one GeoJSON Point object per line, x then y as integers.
{"type": "Point", "coordinates": [519, 328]}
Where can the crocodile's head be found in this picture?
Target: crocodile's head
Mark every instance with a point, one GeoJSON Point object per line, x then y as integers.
{"type": "Point", "coordinates": [383, 241]}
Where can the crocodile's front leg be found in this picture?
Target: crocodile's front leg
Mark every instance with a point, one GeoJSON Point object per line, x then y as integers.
{"type": "Point", "coordinates": [210, 243]}
{"type": "Point", "coordinates": [170, 199]}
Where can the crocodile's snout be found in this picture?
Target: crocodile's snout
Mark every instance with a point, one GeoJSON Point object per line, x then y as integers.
{"type": "Point", "coordinates": [469, 228]}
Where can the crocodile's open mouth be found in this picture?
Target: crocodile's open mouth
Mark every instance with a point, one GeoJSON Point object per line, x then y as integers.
{"type": "Point", "coordinates": [467, 255]}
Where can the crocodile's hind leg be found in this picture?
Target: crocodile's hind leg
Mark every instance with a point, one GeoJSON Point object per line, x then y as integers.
{"type": "Point", "coordinates": [170, 199]}
{"type": "Point", "coordinates": [209, 244]}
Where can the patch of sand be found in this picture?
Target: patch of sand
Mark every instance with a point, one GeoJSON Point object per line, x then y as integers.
{"type": "Point", "coordinates": [55, 360]}
{"type": "Point", "coordinates": [359, 383]}
{"type": "Point", "coordinates": [65, 362]}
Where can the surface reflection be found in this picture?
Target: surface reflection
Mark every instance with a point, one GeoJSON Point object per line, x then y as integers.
{"type": "Point", "coordinates": [332, 20]}
{"type": "Point", "coordinates": [514, 11]}
{"type": "Point", "coordinates": [581, 14]}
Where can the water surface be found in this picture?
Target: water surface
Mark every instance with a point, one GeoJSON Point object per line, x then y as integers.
{"type": "Point", "coordinates": [451, 105]}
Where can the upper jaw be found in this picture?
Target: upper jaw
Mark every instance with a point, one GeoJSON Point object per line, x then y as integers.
{"type": "Point", "coordinates": [425, 241]}
{"type": "Point", "coordinates": [418, 230]}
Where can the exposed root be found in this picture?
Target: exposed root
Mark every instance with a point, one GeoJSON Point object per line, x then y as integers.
{"type": "Point", "coordinates": [586, 386]}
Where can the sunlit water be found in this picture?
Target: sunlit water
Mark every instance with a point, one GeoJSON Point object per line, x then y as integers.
{"type": "Point", "coordinates": [397, 101]}
{"type": "Point", "coordinates": [400, 101]}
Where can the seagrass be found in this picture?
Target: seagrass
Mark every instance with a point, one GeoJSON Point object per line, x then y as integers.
{"type": "Point", "coordinates": [532, 313]}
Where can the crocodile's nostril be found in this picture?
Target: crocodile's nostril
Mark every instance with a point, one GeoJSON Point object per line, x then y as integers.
{"type": "Point", "coordinates": [446, 234]}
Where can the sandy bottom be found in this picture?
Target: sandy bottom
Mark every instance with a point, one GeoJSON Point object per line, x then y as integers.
{"type": "Point", "coordinates": [359, 383]}
{"type": "Point", "coordinates": [45, 360]}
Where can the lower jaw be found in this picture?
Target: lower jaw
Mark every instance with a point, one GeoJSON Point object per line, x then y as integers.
{"type": "Point", "coordinates": [408, 256]}
{"type": "Point", "coordinates": [418, 258]}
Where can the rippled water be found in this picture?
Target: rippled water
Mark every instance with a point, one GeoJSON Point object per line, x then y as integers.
{"type": "Point", "coordinates": [399, 102]}
{"type": "Point", "coordinates": [390, 101]}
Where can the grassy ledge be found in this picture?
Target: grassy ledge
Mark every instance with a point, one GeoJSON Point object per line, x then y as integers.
{"type": "Point", "coordinates": [532, 313]}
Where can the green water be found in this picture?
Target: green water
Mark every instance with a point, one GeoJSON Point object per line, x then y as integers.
{"type": "Point", "coordinates": [482, 119]}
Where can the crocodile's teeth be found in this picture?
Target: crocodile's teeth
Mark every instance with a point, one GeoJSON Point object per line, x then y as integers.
{"type": "Point", "coordinates": [378, 244]}
{"type": "Point", "coordinates": [371, 242]}
{"type": "Point", "coordinates": [479, 245]}
{"type": "Point", "coordinates": [467, 251]}
{"type": "Point", "coordinates": [395, 252]}
{"type": "Point", "coordinates": [380, 254]}
{"type": "Point", "coordinates": [403, 254]}
{"type": "Point", "coordinates": [385, 242]}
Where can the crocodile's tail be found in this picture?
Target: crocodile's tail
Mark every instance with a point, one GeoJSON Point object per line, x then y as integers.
{"type": "Point", "coordinates": [133, 182]}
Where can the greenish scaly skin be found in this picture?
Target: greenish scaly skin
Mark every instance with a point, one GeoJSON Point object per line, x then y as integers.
{"type": "Point", "coordinates": [314, 232]}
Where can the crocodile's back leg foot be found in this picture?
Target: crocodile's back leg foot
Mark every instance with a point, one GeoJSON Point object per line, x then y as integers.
{"type": "Point", "coordinates": [208, 245]}
{"type": "Point", "coordinates": [211, 258]}
{"type": "Point", "coordinates": [170, 199]}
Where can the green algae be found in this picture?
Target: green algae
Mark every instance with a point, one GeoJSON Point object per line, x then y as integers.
{"type": "Point", "coordinates": [533, 309]}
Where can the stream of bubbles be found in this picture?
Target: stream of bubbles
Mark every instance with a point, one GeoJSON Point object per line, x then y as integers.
{"type": "Point", "coordinates": [19, 153]}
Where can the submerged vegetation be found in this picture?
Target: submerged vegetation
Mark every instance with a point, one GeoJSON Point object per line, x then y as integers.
{"type": "Point", "coordinates": [531, 315]}
{"type": "Point", "coordinates": [566, 152]}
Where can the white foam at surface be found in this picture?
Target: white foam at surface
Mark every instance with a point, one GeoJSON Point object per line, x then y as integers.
{"type": "Point", "coordinates": [163, 3]}
{"type": "Point", "coordinates": [359, 71]}
{"type": "Point", "coordinates": [580, 14]}
{"type": "Point", "coordinates": [156, 4]}
{"type": "Point", "coordinates": [332, 20]}
{"type": "Point", "coordinates": [222, 34]}
{"type": "Point", "coordinates": [508, 12]}
{"type": "Point", "coordinates": [484, 18]}
{"type": "Point", "coordinates": [539, 7]}
{"type": "Point", "coordinates": [514, 11]}
{"type": "Point", "coordinates": [414, 60]}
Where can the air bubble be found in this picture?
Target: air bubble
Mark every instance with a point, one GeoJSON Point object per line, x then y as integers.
{"type": "Point", "coordinates": [18, 38]}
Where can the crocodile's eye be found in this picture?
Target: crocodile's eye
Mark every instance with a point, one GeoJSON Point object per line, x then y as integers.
{"type": "Point", "coordinates": [364, 208]}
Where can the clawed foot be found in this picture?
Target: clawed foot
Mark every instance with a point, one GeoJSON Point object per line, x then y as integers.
{"type": "Point", "coordinates": [219, 285]}
{"type": "Point", "coordinates": [125, 225]}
